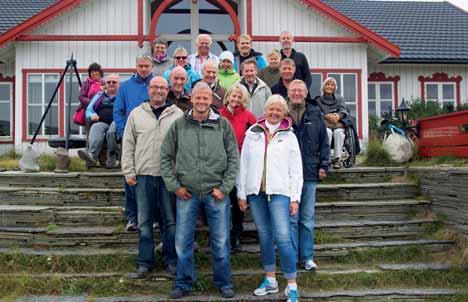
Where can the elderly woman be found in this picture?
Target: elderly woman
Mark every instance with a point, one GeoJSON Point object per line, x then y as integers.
{"type": "Point", "coordinates": [91, 86]}
{"type": "Point", "coordinates": [270, 180]}
{"type": "Point", "coordinates": [334, 108]}
{"type": "Point", "coordinates": [241, 119]}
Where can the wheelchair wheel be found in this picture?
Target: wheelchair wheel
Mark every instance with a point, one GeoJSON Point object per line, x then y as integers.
{"type": "Point", "coordinates": [350, 146]}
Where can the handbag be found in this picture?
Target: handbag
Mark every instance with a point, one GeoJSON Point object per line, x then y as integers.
{"type": "Point", "coordinates": [79, 117]}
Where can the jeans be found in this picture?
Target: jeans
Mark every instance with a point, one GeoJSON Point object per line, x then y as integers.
{"type": "Point", "coordinates": [152, 197]}
{"type": "Point", "coordinates": [273, 221]}
{"type": "Point", "coordinates": [98, 132]}
{"type": "Point", "coordinates": [130, 204]}
{"type": "Point", "coordinates": [338, 135]}
{"type": "Point", "coordinates": [302, 223]}
{"type": "Point", "coordinates": [218, 214]}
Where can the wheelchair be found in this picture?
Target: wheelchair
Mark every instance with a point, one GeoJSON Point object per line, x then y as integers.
{"type": "Point", "coordinates": [350, 146]}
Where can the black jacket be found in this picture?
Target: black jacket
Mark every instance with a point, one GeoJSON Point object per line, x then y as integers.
{"type": "Point", "coordinates": [280, 89]}
{"type": "Point", "coordinates": [313, 141]}
{"type": "Point", "coordinates": [302, 66]}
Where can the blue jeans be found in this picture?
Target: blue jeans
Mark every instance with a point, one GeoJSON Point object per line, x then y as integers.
{"type": "Point", "coordinates": [302, 223]}
{"type": "Point", "coordinates": [130, 204]}
{"type": "Point", "coordinates": [154, 201]}
{"type": "Point", "coordinates": [273, 221]}
{"type": "Point", "coordinates": [218, 214]}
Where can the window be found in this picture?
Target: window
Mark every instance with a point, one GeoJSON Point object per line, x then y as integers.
{"type": "Point", "coordinates": [314, 89]}
{"type": "Point", "coordinates": [74, 129]}
{"type": "Point", "coordinates": [380, 98]}
{"type": "Point", "coordinates": [443, 93]}
{"type": "Point", "coordinates": [40, 89]}
{"type": "Point", "coordinates": [347, 87]}
{"type": "Point", "coordinates": [6, 112]}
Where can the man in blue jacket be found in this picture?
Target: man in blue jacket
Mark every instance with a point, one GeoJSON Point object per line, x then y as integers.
{"type": "Point", "coordinates": [131, 94]}
{"type": "Point", "coordinates": [312, 135]}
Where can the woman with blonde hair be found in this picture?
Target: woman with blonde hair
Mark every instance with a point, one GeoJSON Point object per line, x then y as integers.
{"type": "Point", "coordinates": [241, 119]}
{"type": "Point", "coordinates": [270, 181]}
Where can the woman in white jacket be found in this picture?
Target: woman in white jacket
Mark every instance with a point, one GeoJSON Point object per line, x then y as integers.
{"type": "Point", "coordinates": [270, 180]}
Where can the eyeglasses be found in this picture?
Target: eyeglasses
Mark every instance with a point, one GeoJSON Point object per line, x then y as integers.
{"type": "Point", "coordinates": [111, 82]}
{"type": "Point", "coordinates": [158, 87]}
{"type": "Point", "coordinates": [181, 58]}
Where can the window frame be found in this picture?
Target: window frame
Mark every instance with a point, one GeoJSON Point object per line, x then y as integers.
{"type": "Point", "coordinates": [378, 99]}
{"type": "Point", "coordinates": [441, 78]}
{"type": "Point", "coordinates": [440, 94]}
{"type": "Point", "coordinates": [9, 81]}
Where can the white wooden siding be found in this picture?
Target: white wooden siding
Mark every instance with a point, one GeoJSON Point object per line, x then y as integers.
{"type": "Point", "coordinates": [409, 85]}
{"type": "Point", "coordinates": [271, 17]}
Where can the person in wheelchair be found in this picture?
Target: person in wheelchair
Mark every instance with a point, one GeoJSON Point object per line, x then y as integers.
{"type": "Point", "coordinates": [100, 114]}
{"type": "Point", "coordinates": [334, 109]}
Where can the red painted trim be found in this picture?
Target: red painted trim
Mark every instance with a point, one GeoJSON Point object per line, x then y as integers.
{"type": "Point", "coordinates": [140, 24]}
{"type": "Point", "coordinates": [110, 38]}
{"type": "Point", "coordinates": [358, 72]}
{"type": "Point", "coordinates": [440, 77]}
{"type": "Point", "coordinates": [25, 72]}
{"type": "Point", "coordinates": [381, 77]}
{"type": "Point", "coordinates": [13, 107]}
{"type": "Point", "coordinates": [312, 39]}
{"type": "Point", "coordinates": [167, 3]}
{"type": "Point", "coordinates": [364, 32]}
{"type": "Point", "coordinates": [47, 14]}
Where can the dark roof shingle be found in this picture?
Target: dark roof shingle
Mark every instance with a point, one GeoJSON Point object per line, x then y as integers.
{"type": "Point", "coordinates": [431, 32]}
{"type": "Point", "coordinates": [14, 12]}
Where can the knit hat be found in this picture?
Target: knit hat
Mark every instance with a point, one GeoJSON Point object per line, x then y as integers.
{"type": "Point", "coordinates": [226, 55]}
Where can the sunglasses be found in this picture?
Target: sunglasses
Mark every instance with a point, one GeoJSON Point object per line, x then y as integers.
{"type": "Point", "coordinates": [180, 58]}
{"type": "Point", "coordinates": [111, 82]}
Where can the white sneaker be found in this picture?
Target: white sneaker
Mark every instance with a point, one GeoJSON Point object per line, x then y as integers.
{"type": "Point", "coordinates": [310, 265]}
{"type": "Point", "coordinates": [293, 296]}
{"type": "Point", "coordinates": [266, 288]}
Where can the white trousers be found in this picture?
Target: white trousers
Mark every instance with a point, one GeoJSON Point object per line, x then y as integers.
{"type": "Point", "coordinates": [339, 135]}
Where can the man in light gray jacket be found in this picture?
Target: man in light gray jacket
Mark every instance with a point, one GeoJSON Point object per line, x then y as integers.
{"type": "Point", "coordinates": [144, 133]}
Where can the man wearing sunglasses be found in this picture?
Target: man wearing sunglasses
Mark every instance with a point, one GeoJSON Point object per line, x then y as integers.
{"type": "Point", "coordinates": [100, 113]}
{"type": "Point", "coordinates": [180, 58]}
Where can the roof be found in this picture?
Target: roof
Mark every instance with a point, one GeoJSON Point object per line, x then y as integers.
{"type": "Point", "coordinates": [14, 12]}
{"type": "Point", "coordinates": [426, 32]}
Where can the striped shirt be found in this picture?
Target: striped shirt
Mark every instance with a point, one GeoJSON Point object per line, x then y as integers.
{"type": "Point", "coordinates": [197, 62]}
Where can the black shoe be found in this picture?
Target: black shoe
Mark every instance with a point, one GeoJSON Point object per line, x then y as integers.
{"type": "Point", "coordinates": [235, 245]}
{"type": "Point", "coordinates": [171, 269]}
{"type": "Point", "coordinates": [142, 273]}
{"type": "Point", "coordinates": [227, 293]}
{"type": "Point", "coordinates": [177, 293]}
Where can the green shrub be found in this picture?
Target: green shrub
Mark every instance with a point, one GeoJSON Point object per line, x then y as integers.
{"type": "Point", "coordinates": [377, 156]}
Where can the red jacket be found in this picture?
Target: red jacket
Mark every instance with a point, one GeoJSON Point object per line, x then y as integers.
{"type": "Point", "coordinates": [240, 121]}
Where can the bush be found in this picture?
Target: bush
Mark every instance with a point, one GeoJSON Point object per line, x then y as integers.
{"type": "Point", "coordinates": [419, 109]}
{"type": "Point", "coordinates": [377, 156]}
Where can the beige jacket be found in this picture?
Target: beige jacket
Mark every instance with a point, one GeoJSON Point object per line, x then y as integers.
{"type": "Point", "coordinates": [142, 139]}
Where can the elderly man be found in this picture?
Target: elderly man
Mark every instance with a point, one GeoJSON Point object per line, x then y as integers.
{"type": "Point", "coordinates": [180, 58]}
{"type": "Point", "coordinates": [311, 133]}
{"type": "Point", "coordinates": [287, 71]}
{"type": "Point", "coordinates": [178, 95]}
{"type": "Point", "coordinates": [161, 62]}
{"type": "Point", "coordinates": [100, 113]}
{"type": "Point", "coordinates": [131, 94]}
{"type": "Point", "coordinates": [287, 51]}
{"type": "Point", "coordinates": [209, 72]}
{"type": "Point", "coordinates": [203, 53]}
{"type": "Point", "coordinates": [257, 91]}
{"type": "Point", "coordinates": [245, 51]}
{"type": "Point", "coordinates": [144, 133]}
{"type": "Point", "coordinates": [199, 162]}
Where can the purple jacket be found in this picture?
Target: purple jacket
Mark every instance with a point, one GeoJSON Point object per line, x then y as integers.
{"type": "Point", "coordinates": [84, 100]}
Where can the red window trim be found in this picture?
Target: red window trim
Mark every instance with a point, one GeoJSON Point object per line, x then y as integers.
{"type": "Point", "coordinates": [381, 77]}
{"type": "Point", "coordinates": [24, 116]}
{"type": "Point", "coordinates": [4, 79]}
{"type": "Point", "coordinates": [441, 77]}
{"type": "Point", "coordinates": [358, 73]}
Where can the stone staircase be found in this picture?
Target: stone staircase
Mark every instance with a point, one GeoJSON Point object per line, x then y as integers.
{"type": "Point", "coordinates": [372, 228]}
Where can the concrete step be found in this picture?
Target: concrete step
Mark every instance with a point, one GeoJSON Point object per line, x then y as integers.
{"type": "Point", "coordinates": [377, 295]}
{"type": "Point", "coordinates": [54, 196]}
{"type": "Point", "coordinates": [323, 251]}
{"type": "Point", "coordinates": [65, 215]}
{"type": "Point", "coordinates": [114, 179]}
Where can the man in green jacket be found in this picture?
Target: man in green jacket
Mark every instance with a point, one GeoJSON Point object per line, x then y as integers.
{"type": "Point", "coordinates": [199, 162]}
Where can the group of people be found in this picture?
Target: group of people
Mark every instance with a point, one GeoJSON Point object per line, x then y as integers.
{"type": "Point", "coordinates": [222, 134]}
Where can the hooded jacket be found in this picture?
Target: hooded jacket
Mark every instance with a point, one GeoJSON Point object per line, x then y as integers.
{"type": "Point", "coordinates": [227, 78]}
{"type": "Point", "coordinates": [192, 76]}
{"type": "Point", "coordinates": [280, 156]}
{"type": "Point", "coordinates": [200, 156]}
{"type": "Point", "coordinates": [256, 98]}
{"type": "Point", "coordinates": [143, 136]}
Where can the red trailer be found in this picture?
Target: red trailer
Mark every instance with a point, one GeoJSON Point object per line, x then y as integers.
{"type": "Point", "coordinates": [444, 135]}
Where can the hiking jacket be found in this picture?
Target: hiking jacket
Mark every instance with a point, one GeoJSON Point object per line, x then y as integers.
{"type": "Point", "coordinates": [200, 156]}
{"type": "Point", "coordinates": [238, 59]}
{"type": "Point", "coordinates": [143, 136]}
{"type": "Point", "coordinates": [256, 98]}
{"type": "Point", "coordinates": [102, 105]}
{"type": "Point", "coordinates": [241, 120]}
{"type": "Point", "coordinates": [192, 76]}
{"type": "Point", "coordinates": [280, 156]}
{"type": "Point", "coordinates": [227, 78]}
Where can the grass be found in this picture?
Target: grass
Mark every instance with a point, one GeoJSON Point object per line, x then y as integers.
{"type": "Point", "coordinates": [377, 156]}
{"type": "Point", "coordinates": [440, 160]}
{"type": "Point", "coordinates": [10, 161]}
{"type": "Point", "coordinates": [323, 237]}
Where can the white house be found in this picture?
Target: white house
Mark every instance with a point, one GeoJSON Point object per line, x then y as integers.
{"type": "Point", "coordinates": [379, 51]}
